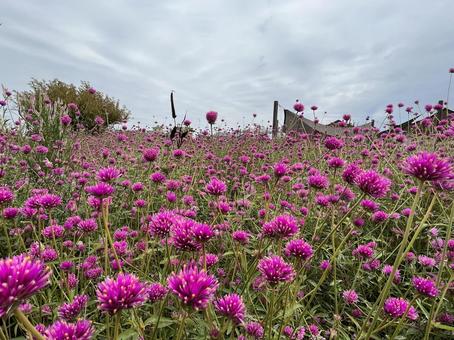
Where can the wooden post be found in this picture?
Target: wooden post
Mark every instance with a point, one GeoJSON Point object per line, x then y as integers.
{"type": "Point", "coordinates": [275, 122]}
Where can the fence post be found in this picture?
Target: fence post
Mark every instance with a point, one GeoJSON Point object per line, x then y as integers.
{"type": "Point", "coordinates": [275, 122]}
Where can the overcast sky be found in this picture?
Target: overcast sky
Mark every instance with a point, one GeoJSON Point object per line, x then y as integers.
{"type": "Point", "coordinates": [235, 57]}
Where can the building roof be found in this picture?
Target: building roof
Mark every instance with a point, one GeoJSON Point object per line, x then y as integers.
{"type": "Point", "coordinates": [293, 122]}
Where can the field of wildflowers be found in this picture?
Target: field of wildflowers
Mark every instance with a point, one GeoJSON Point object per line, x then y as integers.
{"type": "Point", "coordinates": [125, 235]}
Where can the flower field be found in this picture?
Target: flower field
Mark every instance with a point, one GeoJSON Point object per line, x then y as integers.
{"type": "Point", "coordinates": [128, 234]}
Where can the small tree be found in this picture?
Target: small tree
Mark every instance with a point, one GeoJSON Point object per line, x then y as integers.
{"type": "Point", "coordinates": [89, 104]}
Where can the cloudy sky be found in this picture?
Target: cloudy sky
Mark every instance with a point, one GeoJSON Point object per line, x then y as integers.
{"type": "Point", "coordinates": [235, 57]}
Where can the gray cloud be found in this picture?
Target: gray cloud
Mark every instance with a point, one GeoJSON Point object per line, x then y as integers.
{"type": "Point", "coordinates": [234, 56]}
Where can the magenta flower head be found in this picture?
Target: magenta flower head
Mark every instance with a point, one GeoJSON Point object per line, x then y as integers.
{"type": "Point", "coordinates": [298, 106]}
{"type": "Point", "coordinates": [194, 287]}
{"type": "Point", "coordinates": [211, 116]}
{"type": "Point", "coordinates": [216, 187]}
{"type": "Point", "coordinates": [100, 190]}
{"type": "Point", "coordinates": [396, 307]}
{"type": "Point", "coordinates": [202, 232]}
{"type": "Point", "coordinates": [62, 330]}
{"type": "Point", "coordinates": [124, 292]}
{"type": "Point", "coordinates": [6, 195]}
{"type": "Point", "coordinates": [350, 173]}
{"type": "Point", "coordinates": [255, 330]}
{"type": "Point", "coordinates": [282, 226]}
{"type": "Point", "coordinates": [108, 174]}
{"type": "Point", "coordinates": [20, 278]}
{"type": "Point", "coordinates": [334, 143]}
{"type": "Point", "coordinates": [156, 292]}
{"type": "Point", "coordinates": [372, 183]}
{"type": "Point", "coordinates": [280, 169]}
{"type": "Point", "coordinates": [276, 270]}
{"type": "Point", "coordinates": [162, 222]}
{"type": "Point", "coordinates": [182, 236]}
{"type": "Point", "coordinates": [150, 155]}
{"type": "Point", "coordinates": [350, 297]}
{"type": "Point", "coordinates": [49, 201]}
{"type": "Point", "coordinates": [92, 90]}
{"type": "Point", "coordinates": [241, 236]}
{"type": "Point", "coordinates": [318, 181]}
{"type": "Point", "coordinates": [427, 166]}
{"type": "Point", "coordinates": [299, 249]}
{"type": "Point", "coordinates": [69, 311]}
{"type": "Point", "coordinates": [424, 286]}
{"type": "Point", "coordinates": [231, 306]}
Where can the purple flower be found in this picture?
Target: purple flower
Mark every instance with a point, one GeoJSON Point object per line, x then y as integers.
{"type": "Point", "coordinates": [318, 181]}
{"type": "Point", "coordinates": [255, 330]}
{"type": "Point", "coordinates": [202, 232]}
{"type": "Point", "coordinates": [194, 287]}
{"type": "Point", "coordinates": [49, 201]}
{"type": "Point", "coordinates": [298, 248]}
{"type": "Point", "coordinates": [6, 195]}
{"type": "Point", "coordinates": [62, 330]}
{"type": "Point", "coordinates": [211, 117]}
{"type": "Point", "coordinates": [156, 292]}
{"type": "Point", "coordinates": [350, 297]}
{"type": "Point", "coordinates": [69, 311]}
{"type": "Point", "coordinates": [373, 184]}
{"type": "Point", "coordinates": [231, 306]}
{"type": "Point", "coordinates": [216, 187]}
{"type": "Point", "coordinates": [108, 174]}
{"type": "Point", "coordinates": [280, 169]}
{"type": "Point", "coordinates": [333, 143]}
{"type": "Point", "coordinates": [276, 270]}
{"type": "Point", "coordinates": [162, 222]}
{"type": "Point", "coordinates": [350, 173]}
{"type": "Point", "coordinates": [150, 155]}
{"type": "Point", "coordinates": [241, 236]}
{"type": "Point", "coordinates": [123, 292]}
{"type": "Point", "coordinates": [20, 278]}
{"type": "Point", "coordinates": [363, 251]}
{"type": "Point", "coordinates": [425, 286]}
{"type": "Point", "coordinates": [282, 226]}
{"type": "Point", "coordinates": [427, 166]}
{"type": "Point", "coordinates": [397, 307]}
{"type": "Point", "coordinates": [182, 236]}
{"type": "Point", "coordinates": [100, 189]}
{"type": "Point", "coordinates": [298, 106]}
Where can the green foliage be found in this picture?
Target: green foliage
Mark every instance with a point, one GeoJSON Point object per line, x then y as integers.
{"type": "Point", "coordinates": [90, 105]}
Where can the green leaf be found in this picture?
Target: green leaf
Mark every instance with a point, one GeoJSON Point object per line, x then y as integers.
{"type": "Point", "coordinates": [129, 334]}
{"type": "Point", "coordinates": [163, 322]}
{"type": "Point", "coordinates": [442, 326]}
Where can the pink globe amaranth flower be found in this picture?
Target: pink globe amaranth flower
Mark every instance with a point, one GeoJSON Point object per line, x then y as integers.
{"type": "Point", "coordinates": [350, 297]}
{"type": "Point", "coordinates": [216, 187]}
{"type": "Point", "coordinates": [396, 307]}
{"type": "Point", "coordinates": [299, 249]}
{"type": "Point", "coordinates": [426, 261]}
{"type": "Point", "coordinates": [182, 236]}
{"type": "Point", "coordinates": [100, 189]}
{"type": "Point", "coordinates": [373, 184]}
{"type": "Point", "coordinates": [124, 292]}
{"type": "Point", "coordinates": [363, 251]}
{"type": "Point", "coordinates": [280, 170]}
{"type": "Point", "coordinates": [255, 330]}
{"type": "Point", "coordinates": [318, 181]}
{"type": "Point", "coordinates": [211, 117]}
{"type": "Point", "coordinates": [427, 166]}
{"type": "Point", "coordinates": [298, 106]}
{"type": "Point", "coordinates": [241, 236]}
{"type": "Point", "coordinates": [150, 155]}
{"type": "Point", "coordinates": [88, 225]}
{"type": "Point", "coordinates": [350, 173]}
{"type": "Point", "coordinates": [156, 292]}
{"type": "Point", "coordinates": [282, 226]}
{"type": "Point", "coordinates": [231, 306]}
{"type": "Point", "coordinates": [20, 278]}
{"type": "Point", "coordinates": [275, 270]}
{"type": "Point", "coordinates": [49, 201]}
{"type": "Point", "coordinates": [10, 212]}
{"type": "Point", "coordinates": [157, 177]}
{"type": "Point", "coordinates": [65, 120]}
{"type": "Point", "coordinates": [451, 70]}
{"type": "Point", "coordinates": [62, 330]}
{"type": "Point", "coordinates": [202, 232]}
{"type": "Point", "coordinates": [99, 120]}
{"type": "Point", "coordinates": [69, 311]}
{"type": "Point", "coordinates": [108, 174]}
{"type": "Point", "coordinates": [424, 286]}
{"type": "Point", "coordinates": [91, 90]}
{"type": "Point", "coordinates": [194, 287]}
{"type": "Point", "coordinates": [161, 223]}
{"type": "Point", "coordinates": [334, 143]}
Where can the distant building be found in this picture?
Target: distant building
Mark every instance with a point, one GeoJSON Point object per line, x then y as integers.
{"type": "Point", "coordinates": [293, 122]}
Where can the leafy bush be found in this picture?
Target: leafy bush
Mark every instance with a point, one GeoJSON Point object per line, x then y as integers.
{"type": "Point", "coordinates": [89, 104]}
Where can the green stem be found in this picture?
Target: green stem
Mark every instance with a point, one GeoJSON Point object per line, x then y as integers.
{"type": "Point", "coordinates": [23, 320]}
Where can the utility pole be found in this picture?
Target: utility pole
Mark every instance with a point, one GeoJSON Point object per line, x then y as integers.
{"type": "Point", "coordinates": [275, 122]}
